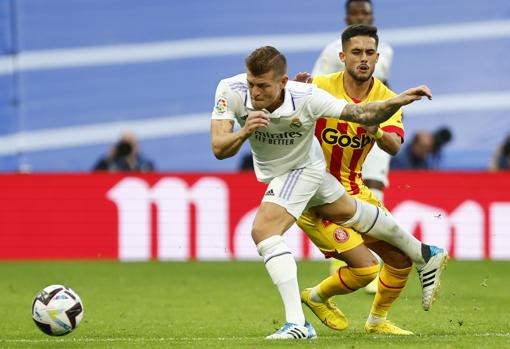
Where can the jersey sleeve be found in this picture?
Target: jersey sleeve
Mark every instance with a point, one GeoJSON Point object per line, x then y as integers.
{"type": "Point", "coordinates": [225, 103]}
{"type": "Point", "coordinates": [324, 104]}
{"type": "Point", "coordinates": [394, 124]}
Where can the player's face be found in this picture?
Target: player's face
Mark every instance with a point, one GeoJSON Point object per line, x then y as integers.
{"type": "Point", "coordinates": [360, 56]}
{"type": "Point", "coordinates": [359, 12]}
{"type": "Point", "coordinates": [266, 89]}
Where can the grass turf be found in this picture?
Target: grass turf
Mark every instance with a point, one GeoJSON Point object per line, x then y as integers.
{"type": "Point", "coordinates": [234, 305]}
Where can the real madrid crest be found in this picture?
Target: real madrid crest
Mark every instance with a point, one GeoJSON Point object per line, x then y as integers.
{"type": "Point", "coordinates": [295, 122]}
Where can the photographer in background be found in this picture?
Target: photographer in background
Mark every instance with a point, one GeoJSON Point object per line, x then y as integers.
{"type": "Point", "coordinates": [423, 152]}
{"type": "Point", "coordinates": [501, 157]}
{"type": "Point", "coordinates": [125, 156]}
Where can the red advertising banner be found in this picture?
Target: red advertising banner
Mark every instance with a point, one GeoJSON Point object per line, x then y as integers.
{"type": "Point", "coordinates": [209, 216]}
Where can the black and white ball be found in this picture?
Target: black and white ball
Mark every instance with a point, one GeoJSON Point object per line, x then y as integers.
{"type": "Point", "coordinates": [57, 310]}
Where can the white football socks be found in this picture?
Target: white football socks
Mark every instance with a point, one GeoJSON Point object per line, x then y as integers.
{"type": "Point", "coordinates": [282, 268]}
{"type": "Point", "coordinates": [375, 320]}
{"type": "Point", "coordinates": [379, 223]}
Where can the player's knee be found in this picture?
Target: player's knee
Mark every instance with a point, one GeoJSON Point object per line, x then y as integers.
{"type": "Point", "coordinates": [258, 234]}
{"type": "Point", "coordinates": [398, 261]}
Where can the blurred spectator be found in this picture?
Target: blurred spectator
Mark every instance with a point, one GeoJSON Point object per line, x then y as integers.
{"type": "Point", "coordinates": [501, 157]}
{"type": "Point", "coordinates": [125, 156]}
{"type": "Point", "coordinates": [423, 152]}
{"type": "Point", "coordinates": [441, 137]}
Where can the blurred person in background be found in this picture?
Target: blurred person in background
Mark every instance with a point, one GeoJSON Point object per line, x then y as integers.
{"type": "Point", "coordinates": [124, 157]}
{"type": "Point", "coordinates": [377, 164]}
{"type": "Point", "coordinates": [423, 152]}
{"type": "Point", "coordinates": [501, 157]}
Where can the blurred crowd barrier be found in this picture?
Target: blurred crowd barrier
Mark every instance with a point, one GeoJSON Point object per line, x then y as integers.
{"type": "Point", "coordinates": [209, 216]}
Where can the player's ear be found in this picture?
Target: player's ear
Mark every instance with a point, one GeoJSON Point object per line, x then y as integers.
{"type": "Point", "coordinates": [342, 56]}
{"type": "Point", "coordinates": [284, 80]}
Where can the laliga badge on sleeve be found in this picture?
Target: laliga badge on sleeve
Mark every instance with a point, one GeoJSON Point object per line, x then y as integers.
{"type": "Point", "coordinates": [221, 105]}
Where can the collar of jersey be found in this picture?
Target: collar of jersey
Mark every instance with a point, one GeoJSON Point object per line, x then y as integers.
{"type": "Point", "coordinates": [286, 109]}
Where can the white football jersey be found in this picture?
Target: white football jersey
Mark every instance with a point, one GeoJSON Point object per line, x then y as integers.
{"type": "Point", "coordinates": [329, 60]}
{"type": "Point", "coordinates": [288, 142]}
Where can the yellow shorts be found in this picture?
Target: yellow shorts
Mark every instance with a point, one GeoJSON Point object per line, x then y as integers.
{"type": "Point", "coordinates": [330, 237]}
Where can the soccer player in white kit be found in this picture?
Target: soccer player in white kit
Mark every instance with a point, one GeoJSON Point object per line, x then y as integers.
{"type": "Point", "coordinates": [278, 118]}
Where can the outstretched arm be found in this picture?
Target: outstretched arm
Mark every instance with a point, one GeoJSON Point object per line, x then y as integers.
{"type": "Point", "coordinates": [374, 113]}
{"type": "Point", "coordinates": [226, 143]}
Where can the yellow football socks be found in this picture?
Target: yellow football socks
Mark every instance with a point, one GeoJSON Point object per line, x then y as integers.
{"type": "Point", "coordinates": [346, 280]}
{"type": "Point", "coordinates": [391, 283]}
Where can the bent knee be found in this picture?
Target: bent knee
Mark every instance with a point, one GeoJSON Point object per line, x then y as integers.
{"type": "Point", "coordinates": [396, 259]}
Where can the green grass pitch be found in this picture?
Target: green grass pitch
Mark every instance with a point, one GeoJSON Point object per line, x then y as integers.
{"type": "Point", "coordinates": [234, 305]}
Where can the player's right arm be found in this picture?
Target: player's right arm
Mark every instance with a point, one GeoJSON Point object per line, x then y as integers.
{"type": "Point", "coordinates": [324, 104]}
{"type": "Point", "coordinates": [374, 113]}
{"type": "Point", "coordinates": [225, 142]}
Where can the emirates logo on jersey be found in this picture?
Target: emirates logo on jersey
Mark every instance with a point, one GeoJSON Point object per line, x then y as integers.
{"type": "Point", "coordinates": [340, 235]}
{"type": "Point", "coordinates": [295, 123]}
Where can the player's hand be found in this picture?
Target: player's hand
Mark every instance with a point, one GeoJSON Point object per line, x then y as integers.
{"type": "Point", "coordinates": [415, 94]}
{"type": "Point", "coordinates": [303, 77]}
{"type": "Point", "coordinates": [255, 120]}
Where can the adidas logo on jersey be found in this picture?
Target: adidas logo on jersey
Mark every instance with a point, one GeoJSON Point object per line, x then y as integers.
{"type": "Point", "coordinates": [269, 193]}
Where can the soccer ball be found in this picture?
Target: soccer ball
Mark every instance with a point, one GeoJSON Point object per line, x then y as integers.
{"type": "Point", "coordinates": [57, 310]}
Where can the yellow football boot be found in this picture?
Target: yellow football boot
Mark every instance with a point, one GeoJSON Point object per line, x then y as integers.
{"type": "Point", "coordinates": [327, 312]}
{"type": "Point", "coordinates": [386, 327]}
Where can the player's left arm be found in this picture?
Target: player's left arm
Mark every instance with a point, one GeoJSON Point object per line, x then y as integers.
{"type": "Point", "coordinates": [388, 141]}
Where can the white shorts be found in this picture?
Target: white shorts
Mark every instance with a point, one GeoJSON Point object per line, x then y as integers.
{"type": "Point", "coordinates": [302, 188]}
{"type": "Point", "coordinates": [377, 165]}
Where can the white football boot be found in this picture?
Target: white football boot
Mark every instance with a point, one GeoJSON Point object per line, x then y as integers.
{"type": "Point", "coordinates": [430, 275]}
{"type": "Point", "coordinates": [293, 331]}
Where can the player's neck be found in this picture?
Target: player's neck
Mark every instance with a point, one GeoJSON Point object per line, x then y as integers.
{"type": "Point", "coordinates": [277, 104]}
{"type": "Point", "coordinates": [357, 89]}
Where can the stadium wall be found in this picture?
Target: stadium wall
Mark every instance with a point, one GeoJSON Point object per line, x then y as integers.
{"type": "Point", "coordinates": [75, 74]}
{"type": "Point", "coordinates": [177, 216]}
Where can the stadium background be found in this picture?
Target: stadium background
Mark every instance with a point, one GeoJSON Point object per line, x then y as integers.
{"type": "Point", "coordinates": [74, 74]}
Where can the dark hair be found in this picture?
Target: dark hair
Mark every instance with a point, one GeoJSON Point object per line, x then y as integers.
{"type": "Point", "coordinates": [359, 30]}
{"type": "Point", "coordinates": [349, 2]}
{"type": "Point", "coordinates": [264, 59]}
{"type": "Point", "coordinates": [441, 137]}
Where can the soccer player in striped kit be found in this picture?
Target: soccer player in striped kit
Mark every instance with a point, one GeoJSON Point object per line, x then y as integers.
{"type": "Point", "coordinates": [346, 146]}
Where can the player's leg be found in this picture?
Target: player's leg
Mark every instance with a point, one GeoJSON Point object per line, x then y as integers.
{"type": "Point", "coordinates": [285, 199]}
{"type": "Point", "coordinates": [377, 222]}
{"type": "Point", "coordinates": [360, 268]}
{"type": "Point", "coordinates": [392, 280]}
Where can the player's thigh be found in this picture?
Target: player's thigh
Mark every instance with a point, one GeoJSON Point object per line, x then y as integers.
{"type": "Point", "coordinates": [358, 257]}
{"type": "Point", "coordinates": [335, 241]}
{"type": "Point", "coordinates": [338, 211]}
{"type": "Point", "coordinates": [389, 254]}
{"type": "Point", "coordinates": [285, 199]}
{"type": "Point", "coordinates": [332, 202]}
{"type": "Point", "coordinates": [271, 219]}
